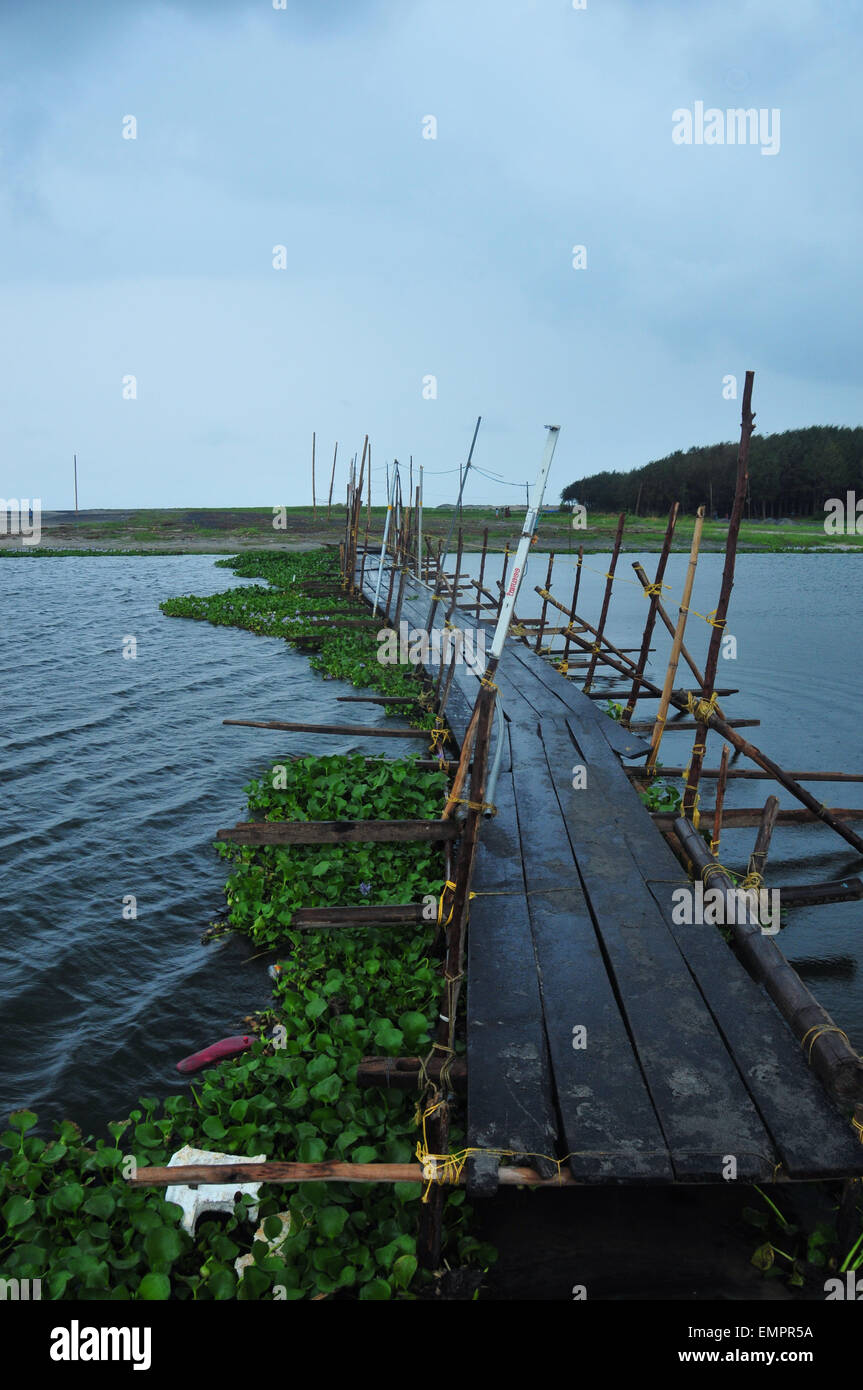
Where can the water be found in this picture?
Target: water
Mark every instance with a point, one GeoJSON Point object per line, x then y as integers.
{"type": "Point", "coordinates": [116, 775]}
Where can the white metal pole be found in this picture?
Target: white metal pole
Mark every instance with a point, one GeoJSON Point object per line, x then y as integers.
{"type": "Point", "coordinates": [384, 541]}
{"type": "Point", "coordinates": [508, 605]}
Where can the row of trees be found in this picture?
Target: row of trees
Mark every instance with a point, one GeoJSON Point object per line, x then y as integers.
{"type": "Point", "coordinates": [790, 474]}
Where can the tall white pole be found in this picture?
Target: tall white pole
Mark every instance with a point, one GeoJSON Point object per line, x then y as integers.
{"type": "Point", "coordinates": [508, 605]}
{"type": "Point", "coordinates": [384, 541]}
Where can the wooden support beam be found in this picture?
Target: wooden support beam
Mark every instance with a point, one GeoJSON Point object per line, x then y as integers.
{"type": "Point", "coordinates": [384, 915]}
{"type": "Point", "coordinates": [644, 726]}
{"type": "Point", "coordinates": [406, 1073]}
{"type": "Point", "coordinates": [758, 857]}
{"type": "Point", "coordinates": [195, 1174]}
{"type": "Point", "coordinates": [841, 890]}
{"type": "Point", "coordinates": [753, 774]}
{"type": "Point", "coordinates": [337, 832]}
{"type": "Point", "coordinates": [739, 817]}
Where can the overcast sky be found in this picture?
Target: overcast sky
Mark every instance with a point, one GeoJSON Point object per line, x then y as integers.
{"type": "Point", "coordinates": [407, 257]}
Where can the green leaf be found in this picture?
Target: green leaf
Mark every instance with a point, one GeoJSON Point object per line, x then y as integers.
{"type": "Point", "coordinates": [331, 1221]}
{"type": "Point", "coordinates": [164, 1245]}
{"type": "Point", "coordinates": [154, 1287]}
{"type": "Point", "coordinates": [23, 1120]}
{"type": "Point", "coordinates": [213, 1127]}
{"type": "Point", "coordinates": [68, 1198]}
{"type": "Point", "coordinates": [376, 1291]}
{"type": "Point", "coordinates": [404, 1270]}
{"type": "Point", "coordinates": [18, 1210]}
{"type": "Point", "coordinates": [100, 1204]}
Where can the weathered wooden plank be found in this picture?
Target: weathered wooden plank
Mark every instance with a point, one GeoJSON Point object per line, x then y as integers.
{"type": "Point", "coordinates": [336, 832]}
{"type": "Point", "coordinates": [610, 1125]}
{"type": "Point", "coordinates": [625, 743]}
{"type": "Point", "coordinates": [704, 1108]}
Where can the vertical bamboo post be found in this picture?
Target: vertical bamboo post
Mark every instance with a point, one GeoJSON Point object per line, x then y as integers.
{"type": "Point", "coordinates": [369, 491]}
{"type": "Point", "coordinates": [502, 580]}
{"type": "Point", "coordinates": [314, 504]}
{"type": "Point", "coordinates": [481, 572]}
{"type": "Point", "coordinates": [758, 857]}
{"type": "Point", "coordinates": [720, 800]}
{"type": "Point", "coordinates": [564, 665]}
{"type": "Point", "coordinates": [747, 420]}
{"type": "Point", "coordinates": [420, 526]}
{"type": "Point", "coordinates": [655, 595]}
{"type": "Point", "coordinates": [332, 480]}
{"type": "Point", "coordinates": [609, 584]}
{"type": "Point", "coordinates": [678, 638]}
{"type": "Point", "coordinates": [547, 586]}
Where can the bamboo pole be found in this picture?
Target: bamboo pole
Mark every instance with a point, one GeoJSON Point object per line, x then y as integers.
{"type": "Point", "coordinates": [747, 420]}
{"type": "Point", "coordinates": [481, 571]}
{"type": "Point", "coordinates": [758, 857]}
{"type": "Point", "coordinates": [650, 621]}
{"type": "Point", "coordinates": [827, 1049]}
{"type": "Point", "coordinates": [671, 670]}
{"type": "Point", "coordinates": [684, 650]}
{"type": "Point", "coordinates": [609, 585]}
{"type": "Point", "coordinates": [720, 799]}
{"type": "Point", "coordinates": [541, 627]}
{"type": "Point", "coordinates": [314, 504]}
{"type": "Point", "coordinates": [332, 480]}
{"type": "Point", "coordinates": [565, 659]}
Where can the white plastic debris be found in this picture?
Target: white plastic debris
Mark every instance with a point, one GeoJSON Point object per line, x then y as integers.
{"type": "Point", "coordinates": [197, 1201]}
{"type": "Point", "coordinates": [242, 1262]}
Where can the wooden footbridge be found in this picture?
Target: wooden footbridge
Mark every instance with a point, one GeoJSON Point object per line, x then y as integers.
{"type": "Point", "coordinates": [595, 1037]}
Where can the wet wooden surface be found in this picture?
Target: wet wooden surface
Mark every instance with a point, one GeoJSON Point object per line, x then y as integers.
{"type": "Point", "coordinates": [599, 1032]}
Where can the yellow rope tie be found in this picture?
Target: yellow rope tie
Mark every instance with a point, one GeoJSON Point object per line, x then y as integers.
{"type": "Point", "coordinates": [712, 869]}
{"type": "Point", "coordinates": [819, 1030]}
{"type": "Point", "coordinates": [611, 577]}
{"type": "Point", "coordinates": [752, 880]}
{"type": "Point", "coordinates": [439, 736]}
{"type": "Point", "coordinates": [472, 805]}
{"type": "Point", "coordinates": [858, 1125]}
{"type": "Point", "coordinates": [489, 685]}
{"type": "Point", "coordinates": [651, 590]}
{"type": "Point", "coordinates": [714, 847]}
{"type": "Point", "coordinates": [562, 667]}
{"type": "Point", "coordinates": [517, 630]}
{"type": "Point", "coordinates": [702, 709]}
{"type": "Point", "coordinates": [449, 884]}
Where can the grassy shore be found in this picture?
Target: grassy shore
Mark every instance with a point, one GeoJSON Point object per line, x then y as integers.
{"type": "Point", "coordinates": [232, 529]}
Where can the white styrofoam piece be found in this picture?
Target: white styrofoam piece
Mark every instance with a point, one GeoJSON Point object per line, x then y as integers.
{"type": "Point", "coordinates": [197, 1201]}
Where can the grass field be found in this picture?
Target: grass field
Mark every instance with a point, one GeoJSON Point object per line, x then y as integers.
{"type": "Point", "coordinates": [230, 529]}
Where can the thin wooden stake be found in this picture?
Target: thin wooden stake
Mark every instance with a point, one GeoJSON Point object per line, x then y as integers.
{"type": "Point", "coordinates": [720, 798]}
{"type": "Point", "coordinates": [671, 671]}
{"type": "Point", "coordinates": [609, 585]}
{"type": "Point", "coordinates": [650, 621]}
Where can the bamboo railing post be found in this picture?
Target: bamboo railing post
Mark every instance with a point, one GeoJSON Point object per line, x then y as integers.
{"type": "Point", "coordinates": [758, 857]}
{"type": "Point", "coordinates": [720, 798]}
{"type": "Point", "coordinates": [671, 670]}
{"type": "Point", "coordinates": [564, 665]}
{"type": "Point", "coordinates": [609, 585]}
{"type": "Point", "coordinates": [684, 650]}
{"type": "Point", "coordinates": [541, 627]}
{"type": "Point", "coordinates": [747, 419]}
{"type": "Point", "coordinates": [314, 504]}
{"type": "Point", "coordinates": [655, 594]}
{"type": "Point", "coordinates": [332, 480]}
{"type": "Point", "coordinates": [481, 572]}
{"type": "Point", "coordinates": [502, 580]}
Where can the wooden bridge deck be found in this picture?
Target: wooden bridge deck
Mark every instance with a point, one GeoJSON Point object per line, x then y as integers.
{"type": "Point", "coordinates": [687, 1065]}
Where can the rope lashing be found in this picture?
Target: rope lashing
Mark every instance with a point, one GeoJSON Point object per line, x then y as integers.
{"type": "Point", "coordinates": [819, 1030]}
{"type": "Point", "coordinates": [858, 1125]}
{"type": "Point", "coordinates": [449, 884]}
{"type": "Point", "coordinates": [472, 805]}
{"type": "Point", "coordinates": [654, 590]}
{"type": "Point", "coordinates": [712, 870]}
{"type": "Point", "coordinates": [752, 880]}
{"type": "Point", "coordinates": [439, 736]}
{"type": "Point", "coordinates": [702, 709]}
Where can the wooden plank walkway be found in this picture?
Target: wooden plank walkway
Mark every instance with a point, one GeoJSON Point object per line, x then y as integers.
{"type": "Point", "coordinates": [598, 1030]}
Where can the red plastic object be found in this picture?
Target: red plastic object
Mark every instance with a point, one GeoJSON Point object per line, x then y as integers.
{"type": "Point", "coordinates": [217, 1052]}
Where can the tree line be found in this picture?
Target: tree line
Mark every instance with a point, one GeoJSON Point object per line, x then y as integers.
{"type": "Point", "coordinates": [790, 474]}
